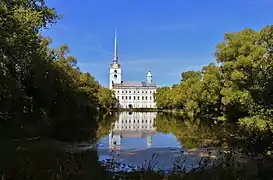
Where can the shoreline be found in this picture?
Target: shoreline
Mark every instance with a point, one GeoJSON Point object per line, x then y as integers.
{"type": "Point", "coordinates": [146, 110]}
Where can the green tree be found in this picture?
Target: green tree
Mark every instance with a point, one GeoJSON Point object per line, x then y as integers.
{"type": "Point", "coordinates": [211, 96]}
{"type": "Point", "coordinates": [106, 98]}
{"type": "Point", "coordinates": [163, 97]}
{"type": "Point", "coordinates": [20, 53]}
{"type": "Point", "coordinates": [42, 91]}
{"type": "Point", "coordinates": [191, 83]}
{"type": "Point", "coordinates": [247, 71]}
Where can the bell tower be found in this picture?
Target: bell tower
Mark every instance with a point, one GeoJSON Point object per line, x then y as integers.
{"type": "Point", "coordinates": [115, 68]}
{"type": "Point", "coordinates": [149, 77]}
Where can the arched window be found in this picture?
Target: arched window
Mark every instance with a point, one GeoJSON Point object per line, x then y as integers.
{"type": "Point", "coordinates": [115, 71]}
{"type": "Point", "coordinates": [115, 76]}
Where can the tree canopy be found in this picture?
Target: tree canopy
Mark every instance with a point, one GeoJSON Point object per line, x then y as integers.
{"type": "Point", "coordinates": [42, 88]}
{"type": "Point", "coordinates": [239, 85]}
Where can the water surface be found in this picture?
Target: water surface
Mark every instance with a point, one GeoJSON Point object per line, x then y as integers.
{"type": "Point", "coordinates": [128, 138]}
{"type": "Point", "coordinates": [132, 138]}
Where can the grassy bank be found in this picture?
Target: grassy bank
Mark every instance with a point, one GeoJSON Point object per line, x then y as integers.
{"type": "Point", "coordinates": [228, 165]}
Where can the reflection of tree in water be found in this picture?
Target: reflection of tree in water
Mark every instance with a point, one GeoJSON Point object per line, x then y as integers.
{"type": "Point", "coordinates": [105, 124]}
{"type": "Point", "coordinates": [191, 134]}
{"type": "Point", "coordinates": [38, 159]}
{"type": "Point", "coordinates": [48, 160]}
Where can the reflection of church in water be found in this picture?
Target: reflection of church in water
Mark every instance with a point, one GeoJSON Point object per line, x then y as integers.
{"type": "Point", "coordinates": [132, 125]}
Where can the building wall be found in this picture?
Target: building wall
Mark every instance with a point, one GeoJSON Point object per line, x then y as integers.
{"type": "Point", "coordinates": [138, 97]}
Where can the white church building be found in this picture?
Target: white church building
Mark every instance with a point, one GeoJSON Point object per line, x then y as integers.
{"type": "Point", "coordinates": [131, 94]}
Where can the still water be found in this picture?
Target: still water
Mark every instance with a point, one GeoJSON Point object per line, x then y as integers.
{"type": "Point", "coordinates": [126, 138]}
{"type": "Point", "coordinates": [131, 138]}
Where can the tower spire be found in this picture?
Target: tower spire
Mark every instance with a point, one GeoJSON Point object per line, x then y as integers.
{"type": "Point", "coordinates": [115, 48]}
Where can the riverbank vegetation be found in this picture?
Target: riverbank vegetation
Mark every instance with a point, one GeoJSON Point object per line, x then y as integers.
{"type": "Point", "coordinates": [43, 92]}
{"type": "Point", "coordinates": [135, 109]}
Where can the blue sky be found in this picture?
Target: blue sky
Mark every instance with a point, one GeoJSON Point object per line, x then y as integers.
{"type": "Point", "coordinates": [166, 37]}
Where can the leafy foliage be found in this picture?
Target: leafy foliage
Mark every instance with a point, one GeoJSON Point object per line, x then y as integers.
{"type": "Point", "coordinates": [42, 91]}
{"type": "Point", "coordinates": [239, 86]}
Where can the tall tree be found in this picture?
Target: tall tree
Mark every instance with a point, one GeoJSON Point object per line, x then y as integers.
{"type": "Point", "coordinates": [211, 96]}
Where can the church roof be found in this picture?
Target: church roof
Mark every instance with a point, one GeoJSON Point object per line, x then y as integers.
{"type": "Point", "coordinates": [135, 84]}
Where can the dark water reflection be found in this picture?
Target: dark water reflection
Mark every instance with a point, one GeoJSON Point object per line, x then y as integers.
{"type": "Point", "coordinates": [129, 138]}
{"type": "Point", "coordinates": [45, 160]}
{"type": "Point", "coordinates": [133, 137]}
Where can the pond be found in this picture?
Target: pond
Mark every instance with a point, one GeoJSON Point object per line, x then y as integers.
{"type": "Point", "coordinates": [137, 139]}
{"type": "Point", "coordinates": [126, 138]}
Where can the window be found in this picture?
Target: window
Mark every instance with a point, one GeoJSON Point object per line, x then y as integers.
{"type": "Point", "coordinates": [115, 71]}
{"type": "Point", "coordinates": [126, 91]}
{"type": "Point", "coordinates": [137, 91]}
{"type": "Point", "coordinates": [151, 92]}
{"type": "Point", "coordinates": [146, 98]}
{"type": "Point", "coordinates": [118, 91]}
{"type": "Point", "coordinates": [142, 97]}
{"type": "Point", "coordinates": [134, 98]}
{"type": "Point", "coordinates": [126, 97]}
{"type": "Point", "coordinates": [138, 98]}
{"type": "Point", "coordinates": [129, 91]}
{"type": "Point", "coordinates": [115, 76]}
{"type": "Point", "coordinates": [129, 97]}
{"type": "Point", "coordinates": [142, 91]}
{"type": "Point", "coordinates": [134, 91]}
{"type": "Point", "coordinates": [117, 97]}
{"type": "Point", "coordinates": [122, 91]}
{"type": "Point", "coordinates": [150, 97]}
{"type": "Point", "coordinates": [122, 97]}
{"type": "Point", "coordinates": [146, 91]}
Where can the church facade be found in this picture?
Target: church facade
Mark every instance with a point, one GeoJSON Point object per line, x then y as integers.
{"type": "Point", "coordinates": [131, 94]}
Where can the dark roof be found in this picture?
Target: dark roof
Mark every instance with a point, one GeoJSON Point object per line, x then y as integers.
{"type": "Point", "coordinates": [135, 84]}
